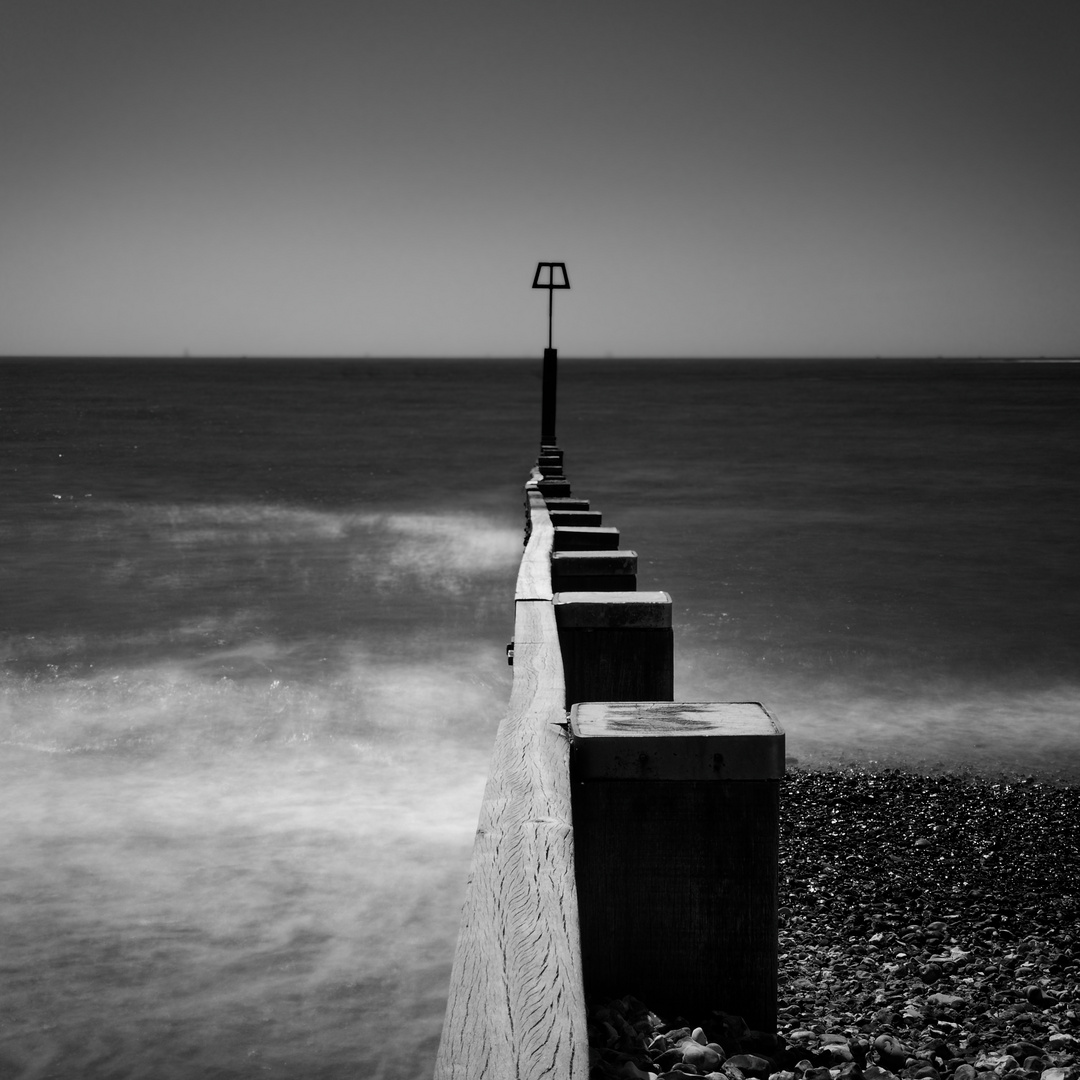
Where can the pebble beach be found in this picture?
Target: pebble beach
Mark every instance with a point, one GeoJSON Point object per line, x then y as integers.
{"type": "Point", "coordinates": [929, 930]}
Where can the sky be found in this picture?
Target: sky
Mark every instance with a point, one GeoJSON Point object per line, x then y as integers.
{"type": "Point", "coordinates": [350, 178]}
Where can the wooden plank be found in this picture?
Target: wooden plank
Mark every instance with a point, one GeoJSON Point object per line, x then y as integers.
{"type": "Point", "coordinates": [534, 574]}
{"type": "Point", "coordinates": [517, 1005]}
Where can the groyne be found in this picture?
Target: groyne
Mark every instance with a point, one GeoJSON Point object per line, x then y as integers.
{"type": "Point", "coordinates": [627, 843]}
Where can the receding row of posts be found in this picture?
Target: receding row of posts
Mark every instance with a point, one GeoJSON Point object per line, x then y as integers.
{"type": "Point", "coordinates": [675, 806]}
{"type": "Point", "coordinates": [627, 842]}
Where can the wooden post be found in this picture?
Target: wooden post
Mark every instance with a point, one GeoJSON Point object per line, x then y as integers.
{"type": "Point", "coordinates": [585, 537]}
{"type": "Point", "coordinates": [616, 646]}
{"type": "Point", "coordinates": [550, 380]}
{"type": "Point", "coordinates": [554, 486]}
{"type": "Point", "coordinates": [600, 571]}
{"type": "Point", "coordinates": [676, 834]}
{"type": "Point", "coordinates": [591, 518]}
{"type": "Point", "coordinates": [554, 502]}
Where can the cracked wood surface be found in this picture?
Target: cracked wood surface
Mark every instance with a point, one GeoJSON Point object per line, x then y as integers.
{"type": "Point", "coordinates": [516, 1007]}
{"type": "Point", "coordinates": [534, 574]}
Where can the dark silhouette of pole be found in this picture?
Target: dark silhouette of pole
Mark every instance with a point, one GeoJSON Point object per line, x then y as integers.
{"type": "Point", "coordinates": [547, 408]}
{"type": "Point", "coordinates": [557, 278]}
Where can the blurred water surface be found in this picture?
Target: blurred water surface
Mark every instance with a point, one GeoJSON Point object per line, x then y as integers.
{"type": "Point", "coordinates": [252, 625]}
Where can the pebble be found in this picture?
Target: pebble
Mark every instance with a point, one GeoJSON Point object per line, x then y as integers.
{"type": "Point", "coordinates": [945, 957]}
{"type": "Point", "coordinates": [837, 1053]}
{"type": "Point", "coordinates": [750, 1064]}
{"type": "Point", "coordinates": [951, 1001]}
{"type": "Point", "coordinates": [699, 1055]}
{"type": "Point", "coordinates": [891, 1052]}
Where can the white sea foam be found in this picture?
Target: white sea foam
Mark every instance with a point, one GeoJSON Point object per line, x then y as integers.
{"type": "Point", "coordinates": [915, 722]}
{"type": "Point", "coordinates": [182, 547]}
{"type": "Point", "coordinates": [467, 539]}
{"type": "Point", "coordinates": [211, 872]}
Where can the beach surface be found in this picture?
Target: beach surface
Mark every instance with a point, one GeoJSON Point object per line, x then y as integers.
{"type": "Point", "coordinates": [928, 931]}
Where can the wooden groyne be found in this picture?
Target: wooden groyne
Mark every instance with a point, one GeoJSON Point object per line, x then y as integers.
{"type": "Point", "coordinates": [626, 843]}
{"type": "Point", "coordinates": [517, 998]}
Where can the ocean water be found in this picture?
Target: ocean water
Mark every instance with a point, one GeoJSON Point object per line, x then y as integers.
{"type": "Point", "coordinates": [253, 618]}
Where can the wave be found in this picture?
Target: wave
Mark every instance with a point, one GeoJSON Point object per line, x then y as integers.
{"type": "Point", "coordinates": [916, 722]}
{"type": "Point", "coordinates": [256, 693]}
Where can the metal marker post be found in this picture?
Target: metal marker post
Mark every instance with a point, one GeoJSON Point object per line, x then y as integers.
{"type": "Point", "coordinates": [556, 279]}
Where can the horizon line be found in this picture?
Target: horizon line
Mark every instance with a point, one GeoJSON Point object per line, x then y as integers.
{"type": "Point", "coordinates": [526, 357]}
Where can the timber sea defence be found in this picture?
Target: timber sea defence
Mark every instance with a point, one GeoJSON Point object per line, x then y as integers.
{"type": "Point", "coordinates": [627, 843]}
{"type": "Point", "coordinates": [626, 861]}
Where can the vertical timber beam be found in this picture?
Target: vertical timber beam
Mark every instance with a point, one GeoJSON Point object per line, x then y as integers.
{"type": "Point", "coordinates": [676, 834]}
{"type": "Point", "coordinates": [594, 571]}
{"type": "Point", "coordinates": [616, 646]}
{"type": "Point", "coordinates": [550, 384]}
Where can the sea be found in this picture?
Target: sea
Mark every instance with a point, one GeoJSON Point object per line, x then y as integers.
{"type": "Point", "coordinates": [253, 628]}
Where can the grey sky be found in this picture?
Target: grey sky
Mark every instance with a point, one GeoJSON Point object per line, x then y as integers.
{"type": "Point", "coordinates": [795, 177]}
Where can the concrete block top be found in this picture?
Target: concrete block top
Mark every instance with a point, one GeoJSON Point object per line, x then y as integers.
{"type": "Point", "coordinates": [663, 740]}
{"type": "Point", "coordinates": [613, 610]}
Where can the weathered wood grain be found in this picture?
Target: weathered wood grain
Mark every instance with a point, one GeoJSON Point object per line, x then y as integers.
{"type": "Point", "coordinates": [680, 909]}
{"type": "Point", "coordinates": [676, 833]}
{"type": "Point", "coordinates": [534, 574]}
{"type": "Point", "coordinates": [616, 646]}
{"type": "Point", "coordinates": [516, 1009]}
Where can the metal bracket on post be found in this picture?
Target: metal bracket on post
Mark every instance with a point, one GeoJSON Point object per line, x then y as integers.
{"type": "Point", "coordinates": [556, 278]}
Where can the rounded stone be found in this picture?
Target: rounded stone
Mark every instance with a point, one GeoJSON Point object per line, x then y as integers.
{"type": "Point", "coordinates": [848, 1071]}
{"type": "Point", "coordinates": [891, 1052]}
{"type": "Point", "coordinates": [701, 1057]}
{"type": "Point", "coordinates": [752, 1065]}
{"type": "Point", "coordinates": [837, 1053]}
{"type": "Point", "coordinates": [949, 1001]}
{"type": "Point", "coordinates": [876, 1072]}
